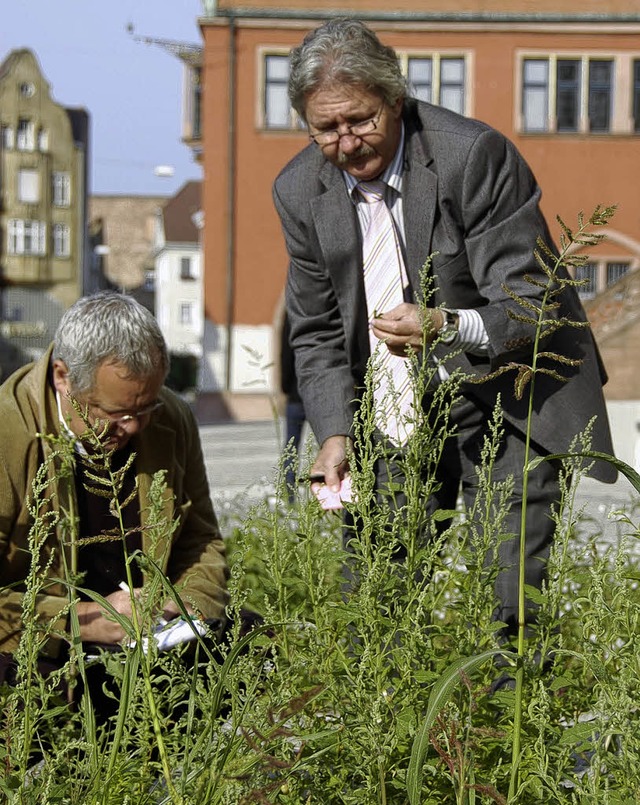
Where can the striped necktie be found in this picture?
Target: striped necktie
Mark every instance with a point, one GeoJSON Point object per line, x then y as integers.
{"type": "Point", "coordinates": [383, 282]}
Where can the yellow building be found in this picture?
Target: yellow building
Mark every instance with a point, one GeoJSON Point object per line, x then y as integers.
{"type": "Point", "coordinates": [43, 170]}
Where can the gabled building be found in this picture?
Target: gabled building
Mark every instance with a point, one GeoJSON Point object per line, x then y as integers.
{"type": "Point", "coordinates": [560, 78]}
{"type": "Point", "coordinates": [43, 196]}
{"type": "Point", "coordinates": [178, 284]}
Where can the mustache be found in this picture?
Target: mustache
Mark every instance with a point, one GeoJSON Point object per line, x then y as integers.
{"type": "Point", "coordinates": [364, 151]}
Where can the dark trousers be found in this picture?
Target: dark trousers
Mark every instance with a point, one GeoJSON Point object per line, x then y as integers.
{"type": "Point", "coordinates": [456, 474]}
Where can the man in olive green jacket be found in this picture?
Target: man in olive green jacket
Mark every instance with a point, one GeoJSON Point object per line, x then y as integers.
{"type": "Point", "coordinates": [110, 358]}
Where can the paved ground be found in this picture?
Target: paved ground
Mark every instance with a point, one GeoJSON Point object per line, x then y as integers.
{"type": "Point", "coordinates": [242, 459]}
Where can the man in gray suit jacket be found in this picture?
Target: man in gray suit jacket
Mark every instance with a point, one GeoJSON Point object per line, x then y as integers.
{"type": "Point", "coordinates": [456, 189]}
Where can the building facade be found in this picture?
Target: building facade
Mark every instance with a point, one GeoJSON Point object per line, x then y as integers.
{"type": "Point", "coordinates": [43, 192]}
{"type": "Point", "coordinates": [178, 284]}
{"type": "Point", "coordinates": [122, 239]}
{"type": "Point", "coordinates": [561, 79]}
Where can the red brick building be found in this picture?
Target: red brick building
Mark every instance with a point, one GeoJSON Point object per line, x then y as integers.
{"type": "Point", "coordinates": [561, 78]}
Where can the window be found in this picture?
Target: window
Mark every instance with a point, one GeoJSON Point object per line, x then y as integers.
{"type": "Point", "coordinates": [185, 313]}
{"type": "Point", "coordinates": [420, 77]}
{"type": "Point", "coordinates": [196, 102]}
{"type": "Point", "coordinates": [616, 271]}
{"type": "Point", "coordinates": [577, 94]}
{"type": "Point", "coordinates": [636, 95]}
{"type": "Point", "coordinates": [43, 140]}
{"type": "Point", "coordinates": [25, 136]}
{"type": "Point", "coordinates": [535, 94]}
{"type": "Point", "coordinates": [186, 269]}
{"type": "Point", "coordinates": [61, 240]}
{"type": "Point", "coordinates": [277, 110]}
{"type": "Point", "coordinates": [438, 79]}
{"type": "Point", "coordinates": [26, 237]}
{"type": "Point", "coordinates": [600, 95]}
{"type": "Point", "coordinates": [27, 89]}
{"type": "Point", "coordinates": [568, 94]}
{"type": "Point", "coordinates": [588, 272]}
{"type": "Point", "coordinates": [61, 189]}
{"type": "Point", "coordinates": [28, 186]}
{"type": "Point", "coordinates": [7, 138]}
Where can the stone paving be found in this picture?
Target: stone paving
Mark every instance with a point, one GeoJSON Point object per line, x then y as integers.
{"type": "Point", "coordinates": [242, 459]}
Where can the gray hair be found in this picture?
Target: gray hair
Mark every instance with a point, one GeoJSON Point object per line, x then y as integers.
{"type": "Point", "coordinates": [347, 52]}
{"type": "Point", "coordinates": [108, 326]}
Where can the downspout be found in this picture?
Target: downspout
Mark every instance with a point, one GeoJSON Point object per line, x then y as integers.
{"type": "Point", "coordinates": [231, 200]}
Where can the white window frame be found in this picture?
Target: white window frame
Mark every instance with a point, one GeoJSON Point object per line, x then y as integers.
{"type": "Point", "coordinates": [290, 120]}
{"type": "Point", "coordinates": [621, 119]}
{"type": "Point", "coordinates": [61, 240]}
{"type": "Point", "coordinates": [25, 236]}
{"type": "Point", "coordinates": [439, 61]}
{"type": "Point", "coordinates": [61, 188]}
{"type": "Point", "coordinates": [186, 313]}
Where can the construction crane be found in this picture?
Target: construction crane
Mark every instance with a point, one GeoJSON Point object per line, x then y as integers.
{"type": "Point", "coordinates": [186, 51]}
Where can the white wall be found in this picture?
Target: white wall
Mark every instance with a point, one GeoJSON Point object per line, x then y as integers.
{"type": "Point", "coordinates": [252, 359]}
{"type": "Point", "coordinates": [172, 292]}
{"type": "Point", "coordinates": [624, 418]}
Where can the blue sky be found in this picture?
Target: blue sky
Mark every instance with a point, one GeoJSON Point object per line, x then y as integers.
{"type": "Point", "coordinates": [132, 91]}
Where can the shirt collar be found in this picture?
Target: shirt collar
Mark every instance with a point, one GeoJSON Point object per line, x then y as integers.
{"type": "Point", "coordinates": [77, 444]}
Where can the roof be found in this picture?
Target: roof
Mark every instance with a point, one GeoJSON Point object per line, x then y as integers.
{"type": "Point", "coordinates": [178, 214]}
{"type": "Point", "coordinates": [14, 57]}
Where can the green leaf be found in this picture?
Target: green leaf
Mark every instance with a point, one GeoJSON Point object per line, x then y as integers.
{"type": "Point", "coordinates": [560, 682]}
{"type": "Point", "coordinates": [439, 697]}
{"type": "Point", "coordinates": [578, 733]}
{"type": "Point", "coordinates": [534, 594]}
{"type": "Point", "coordinates": [444, 514]}
{"type": "Point", "coordinates": [11, 783]}
{"type": "Point", "coordinates": [632, 476]}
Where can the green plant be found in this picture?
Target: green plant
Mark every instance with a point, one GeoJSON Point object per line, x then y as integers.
{"type": "Point", "coordinates": [373, 687]}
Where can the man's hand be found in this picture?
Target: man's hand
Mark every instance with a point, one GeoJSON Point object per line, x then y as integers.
{"type": "Point", "coordinates": [97, 626]}
{"type": "Point", "coordinates": [332, 461]}
{"type": "Point", "coordinates": [407, 326]}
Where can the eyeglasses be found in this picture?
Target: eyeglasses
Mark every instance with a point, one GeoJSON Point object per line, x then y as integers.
{"type": "Point", "coordinates": [360, 129]}
{"type": "Point", "coordinates": [101, 418]}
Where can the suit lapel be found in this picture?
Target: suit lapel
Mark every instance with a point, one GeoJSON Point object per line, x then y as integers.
{"type": "Point", "coordinates": [419, 195]}
{"type": "Point", "coordinates": [336, 225]}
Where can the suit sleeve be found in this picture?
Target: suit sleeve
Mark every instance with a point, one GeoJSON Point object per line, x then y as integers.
{"type": "Point", "coordinates": [500, 203]}
{"type": "Point", "coordinates": [325, 378]}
